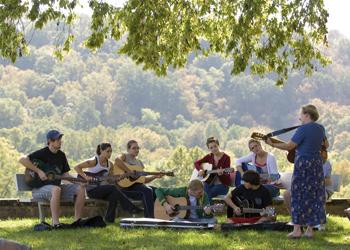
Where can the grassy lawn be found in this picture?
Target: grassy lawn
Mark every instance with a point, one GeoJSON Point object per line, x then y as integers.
{"type": "Point", "coordinates": [337, 236]}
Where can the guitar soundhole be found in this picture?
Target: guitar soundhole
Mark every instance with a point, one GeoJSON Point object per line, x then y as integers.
{"type": "Point", "coordinates": [131, 178]}
{"type": "Point", "coordinates": [50, 176]}
{"type": "Point", "coordinates": [173, 214]}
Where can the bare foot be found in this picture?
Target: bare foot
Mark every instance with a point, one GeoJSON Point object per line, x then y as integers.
{"type": "Point", "coordinates": [308, 235]}
{"type": "Point", "coordinates": [294, 235]}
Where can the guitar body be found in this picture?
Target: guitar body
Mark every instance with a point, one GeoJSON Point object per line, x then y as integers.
{"type": "Point", "coordinates": [97, 176]}
{"type": "Point", "coordinates": [323, 152]}
{"type": "Point", "coordinates": [129, 181]}
{"type": "Point", "coordinates": [291, 156]}
{"type": "Point", "coordinates": [101, 173]}
{"type": "Point", "coordinates": [247, 207]}
{"type": "Point", "coordinates": [33, 180]}
{"type": "Point", "coordinates": [160, 212]}
{"type": "Point", "coordinates": [207, 177]}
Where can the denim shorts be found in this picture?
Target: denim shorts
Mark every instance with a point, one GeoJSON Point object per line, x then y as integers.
{"type": "Point", "coordinates": [68, 191]}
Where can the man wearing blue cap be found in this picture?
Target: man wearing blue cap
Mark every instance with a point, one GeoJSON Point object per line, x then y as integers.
{"type": "Point", "coordinates": [53, 156]}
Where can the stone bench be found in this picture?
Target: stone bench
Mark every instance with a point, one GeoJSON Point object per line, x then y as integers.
{"type": "Point", "coordinates": [98, 205]}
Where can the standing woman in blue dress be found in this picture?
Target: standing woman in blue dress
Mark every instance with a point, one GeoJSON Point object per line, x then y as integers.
{"type": "Point", "coordinates": [308, 188]}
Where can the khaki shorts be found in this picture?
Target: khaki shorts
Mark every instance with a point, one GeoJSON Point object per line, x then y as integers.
{"type": "Point", "coordinates": [68, 191]}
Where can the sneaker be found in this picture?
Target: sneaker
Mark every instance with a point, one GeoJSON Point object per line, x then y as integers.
{"type": "Point", "coordinates": [321, 227]}
{"type": "Point", "coordinates": [43, 226]}
{"type": "Point", "coordinates": [347, 212]}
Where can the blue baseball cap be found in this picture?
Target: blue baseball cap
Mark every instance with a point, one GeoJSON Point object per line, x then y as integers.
{"type": "Point", "coordinates": [53, 135]}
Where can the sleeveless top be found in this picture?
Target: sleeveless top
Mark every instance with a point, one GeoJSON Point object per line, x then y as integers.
{"type": "Point", "coordinates": [132, 161]}
{"type": "Point", "coordinates": [97, 168]}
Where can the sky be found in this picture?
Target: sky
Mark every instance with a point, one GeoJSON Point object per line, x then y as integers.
{"type": "Point", "coordinates": [339, 14]}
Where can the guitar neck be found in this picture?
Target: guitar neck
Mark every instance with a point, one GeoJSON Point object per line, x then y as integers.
{"type": "Point", "coordinates": [252, 210]}
{"type": "Point", "coordinates": [260, 136]}
{"type": "Point", "coordinates": [274, 140]}
{"type": "Point", "coordinates": [189, 207]}
{"type": "Point", "coordinates": [71, 179]}
{"type": "Point", "coordinates": [153, 173]}
{"type": "Point", "coordinates": [226, 170]}
{"type": "Point", "coordinates": [114, 177]}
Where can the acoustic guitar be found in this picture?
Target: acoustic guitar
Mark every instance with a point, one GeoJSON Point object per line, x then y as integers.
{"type": "Point", "coordinates": [247, 207]}
{"type": "Point", "coordinates": [291, 153]}
{"type": "Point", "coordinates": [53, 173]}
{"type": "Point", "coordinates": [137, 175]}
{"type": "Point", "coordinates": [182, 208]}
{"type": "Point", "coordinates": [209, 173]}
{"type": "Point", "coordinates": [103, 177]}
{"type": "Point", "coordinates": [54, 176]}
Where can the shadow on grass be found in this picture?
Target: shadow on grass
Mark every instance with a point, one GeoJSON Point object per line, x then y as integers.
{"type": "Point", "coordinates": [114, 237]}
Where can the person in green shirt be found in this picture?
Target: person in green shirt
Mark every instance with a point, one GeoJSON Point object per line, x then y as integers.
{"type": "Point", "coordinates": [195, 196]}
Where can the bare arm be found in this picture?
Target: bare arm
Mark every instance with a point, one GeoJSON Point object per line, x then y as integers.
{"type": "Point", "coordinates": [148, 179]}
{"type": "Point", "coordinates": [328, 181]}
{"type": "Point", "coordinates": [25, 161]}
{"type": "Point", "coordinates": [119, 162]}
{"type": "Point", "coordinates": [240, 169]}
{"type": "Point", "coordinates": [282, 145]}
{"type": "Point", "coordinates": [229, 202]}
{"type": "Point", "coordinates": [84, 164]}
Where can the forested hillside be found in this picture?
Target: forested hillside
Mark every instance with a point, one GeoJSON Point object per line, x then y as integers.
{"type": "Point", "coordinates": [105, 97]}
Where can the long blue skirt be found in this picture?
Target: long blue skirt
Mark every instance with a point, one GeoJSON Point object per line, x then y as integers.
{"type": "Point", "coordinates": [308, 192]}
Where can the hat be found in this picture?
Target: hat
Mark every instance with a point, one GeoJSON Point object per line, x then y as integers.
{"type": "Point", "coordinates": [53, 135]}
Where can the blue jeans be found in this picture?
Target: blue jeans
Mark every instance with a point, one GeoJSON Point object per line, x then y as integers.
{"type": "Point", "coordinates": [215, 190]}
{"type": "Point", "coordinates": [245, 167]}
{"type": "Point", "coordinates": [145, 194]}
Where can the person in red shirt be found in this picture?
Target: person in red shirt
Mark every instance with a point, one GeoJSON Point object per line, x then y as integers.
{"type": "Point", "coordinates": [219, 160]}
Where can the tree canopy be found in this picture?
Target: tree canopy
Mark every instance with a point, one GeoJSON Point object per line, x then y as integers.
{"type": "Point", "coordinates": [262, 36]}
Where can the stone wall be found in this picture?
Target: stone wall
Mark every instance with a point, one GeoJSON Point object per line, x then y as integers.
{"type": "Point", "coordinates": [16, 208]}
{"type": "Point", "coordinates": [20, 208]}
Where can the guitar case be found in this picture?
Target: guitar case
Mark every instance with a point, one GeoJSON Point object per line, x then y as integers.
{"type": "Point", "coordinates": [270, 226]}
{"type": "Point", "coordinates": [158, 223]}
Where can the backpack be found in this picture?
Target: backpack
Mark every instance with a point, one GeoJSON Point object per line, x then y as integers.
{"type": "Point", "coordinates": [96, 221]}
